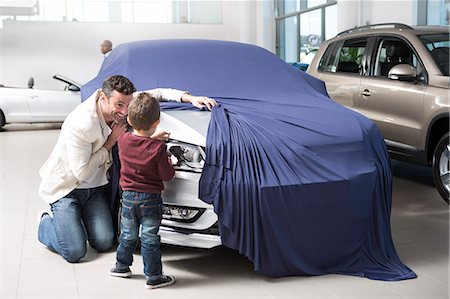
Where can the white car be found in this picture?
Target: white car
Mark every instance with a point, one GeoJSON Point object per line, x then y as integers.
{"type": "Point", "coordinates": [29, 105]}
{"type": "Point", "coordinates": [187, 221]}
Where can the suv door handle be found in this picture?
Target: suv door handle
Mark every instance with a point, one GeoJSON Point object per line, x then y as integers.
{"type": "Point", "coordinates": [366, 93]}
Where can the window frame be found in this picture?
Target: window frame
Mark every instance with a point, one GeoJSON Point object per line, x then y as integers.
{"type": "Point", "coordinates": [332, 52]}
{"type": "Point", "coordinates": [377, 40]}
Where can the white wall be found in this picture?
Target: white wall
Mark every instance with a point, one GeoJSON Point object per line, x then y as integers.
{"type": "Point", "coordinates": [353, 13]}
{"type": "Point", "coordinates": [42, 49]}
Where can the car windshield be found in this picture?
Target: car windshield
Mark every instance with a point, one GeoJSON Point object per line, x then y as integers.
{"type": "Point", "coordinates": [438, 45]}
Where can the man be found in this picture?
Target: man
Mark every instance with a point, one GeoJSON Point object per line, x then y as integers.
{"type": "Point", "coordinates": [106, 47]}
{"type": "Point", "coordinates": [74, 177]}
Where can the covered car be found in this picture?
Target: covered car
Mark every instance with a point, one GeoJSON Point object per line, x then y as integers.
{"type": "Point", "coordinates": [300, 184]}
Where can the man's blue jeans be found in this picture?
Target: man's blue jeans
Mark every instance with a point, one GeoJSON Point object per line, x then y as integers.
{"type": "Point", "coordinates": [145, 210]}
{"type": "Point", "coordinates": [81, 215]}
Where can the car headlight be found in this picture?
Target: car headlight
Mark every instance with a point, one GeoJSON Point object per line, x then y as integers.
{"type": "Point", "coordinates": [187, 157]}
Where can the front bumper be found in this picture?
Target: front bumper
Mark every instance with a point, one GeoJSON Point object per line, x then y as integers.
{"type": "Point", "coordinates": [189, 239]}
{"type": "Point", "coordinates": [201, 231]}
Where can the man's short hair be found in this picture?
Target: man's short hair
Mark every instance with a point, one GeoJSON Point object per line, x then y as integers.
{"type": "Point", "coordinates": [118, 83]}
{"type": "Point", "coordinates": [143, 111]}
{"type": "Point", "coordinates": [108, 44]}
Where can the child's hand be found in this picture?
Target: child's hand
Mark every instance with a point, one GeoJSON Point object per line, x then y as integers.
{"type": "Point", "coordinates": [161, 135]}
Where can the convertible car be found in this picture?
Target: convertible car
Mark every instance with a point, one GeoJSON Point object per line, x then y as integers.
{"type": "Point", "coordinates": [30, 105]}
{"type": "Point", "coordinates": [297, 183]}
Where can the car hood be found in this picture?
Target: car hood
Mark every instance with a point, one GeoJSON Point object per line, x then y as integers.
{"type": "Point", "coordinates": [188, 126]}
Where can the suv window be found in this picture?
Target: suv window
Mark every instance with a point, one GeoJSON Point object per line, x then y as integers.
{"type": "Point", "coordinates": [343, 57]}
{"type": "Point", "coordinates": [439, 46]}
{"type": "Point", "coordinates": [392, 51]}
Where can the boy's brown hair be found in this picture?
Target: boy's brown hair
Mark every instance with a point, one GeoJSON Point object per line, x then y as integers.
{"type": "Point", "coordinates": [143, 111]}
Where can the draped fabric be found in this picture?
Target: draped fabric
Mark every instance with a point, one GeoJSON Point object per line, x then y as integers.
{"type": "Point", "coordinates": [301, 185]}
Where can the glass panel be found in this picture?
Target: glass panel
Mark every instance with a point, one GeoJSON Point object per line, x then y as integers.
{"type": "Point", "coordinates": [330, 21]}
{"type": "Point", "coordinates": [129, 11]}
{"type": "Point", "coordinates": [287, 32]}
{"type": "Point", "coordinates": [350, 56]}
{"type": "Point", "coordinates": [287, 6]}
{"type": "Point", "coordinates": [346, 58]}
{"type": "Point", "coordinates": [439, 47]}
{"type": "Point", "coordinates": [392, 52]}
{"type": "Point", "coordinates": [310, 31]}
{"type": "Point", "coordinates": [204, 12]}
{"type": "Point", "coordinates": [312, 3]}
{"type": "Point", "coordinates": [95, 12]}
{"type": "Point", "coordinates": [152, 12]}
{"type": "Point", "coordinates": [328, 55]}
{"type": "Point", "coordinates": [438, 12]}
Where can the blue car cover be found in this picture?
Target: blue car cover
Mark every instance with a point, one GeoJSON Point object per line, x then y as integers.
{"type": "Point", "coordinates": [301, 185]}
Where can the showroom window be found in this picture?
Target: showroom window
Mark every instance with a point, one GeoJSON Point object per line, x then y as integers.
{"type": "Point", "coordinates": [126, 11]}
{"type": "Point", "coordinates": [433, 12]}
{"type": "Point", "coordinates": [301, 25]}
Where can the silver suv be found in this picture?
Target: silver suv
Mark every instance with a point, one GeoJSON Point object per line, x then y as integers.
{"type": "Point", "coordinates": [398, 76]}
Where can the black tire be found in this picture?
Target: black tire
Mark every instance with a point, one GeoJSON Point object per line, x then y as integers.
{"type": "Point", "coordinates": [441, 167]}
{"type": "Point", "coordinates": [2, 119]}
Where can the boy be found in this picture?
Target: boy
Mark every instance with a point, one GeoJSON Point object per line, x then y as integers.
{"type": "Point", "coordinates": [144, 166]}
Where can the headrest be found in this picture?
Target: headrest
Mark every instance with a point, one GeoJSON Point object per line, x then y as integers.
{"type": "Point", "coordinates": [397, 49]}
{"type": "Point", "coordinates": [441, 53]}
{"type": "Point", "coordinates": [349, 67]}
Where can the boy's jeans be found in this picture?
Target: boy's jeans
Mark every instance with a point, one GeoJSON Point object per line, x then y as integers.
{"type": "Point", "coordinates": [145, 210]}
{"type": "Point", "coordinates": [82, 214]}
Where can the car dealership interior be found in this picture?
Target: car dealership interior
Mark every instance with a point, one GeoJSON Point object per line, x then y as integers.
{"type": "Point", "coordinates": [349, 211]}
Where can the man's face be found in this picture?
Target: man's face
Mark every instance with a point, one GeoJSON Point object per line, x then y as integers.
{"type": "Point", "coordinates": [115, 108]}
{"type": "Point", "coordinates": [104, 48]}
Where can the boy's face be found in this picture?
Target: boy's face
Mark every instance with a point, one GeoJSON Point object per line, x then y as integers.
{"type": "Point", "coordinates": [115, 107]}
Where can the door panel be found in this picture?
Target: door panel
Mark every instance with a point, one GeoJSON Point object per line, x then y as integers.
{"type": "Point", "coordinates": [395, 106]}
{"type": "Point", "coordinates": [344, 89]}
{"type": "Point", "coordinates": [13, 103]}
{"type": "Point", "coordinates": [51, 105]}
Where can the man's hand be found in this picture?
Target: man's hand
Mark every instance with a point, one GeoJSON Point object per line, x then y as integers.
{"type": "Point", "coordinates": [199, 101]}
{"type": "Point", "coordinates": [160, 135]}
{"type": "Point", "coordinates": [117, 130]}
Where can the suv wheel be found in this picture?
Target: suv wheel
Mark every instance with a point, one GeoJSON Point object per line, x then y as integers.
{"type": "Point", "coordinates": [2, 119]}
{"type": "Point", "coordinates": [441, 167]}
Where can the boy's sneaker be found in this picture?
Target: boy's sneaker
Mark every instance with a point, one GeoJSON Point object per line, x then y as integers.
{"type": "Point", "coordinates": [165, 280]}
{"type": "Point", "coordinates": [120, 272]}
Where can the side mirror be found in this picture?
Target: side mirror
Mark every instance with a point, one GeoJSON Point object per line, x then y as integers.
{"type": "Point", "coordinates": [402, 72]}
{"type": "Point", "coordinates": [30, 82]}
{"type": "Point", "coordinates": [73, 88]}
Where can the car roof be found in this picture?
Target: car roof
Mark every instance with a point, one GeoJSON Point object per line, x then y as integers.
{"type": "Point", "coordinates": [243, 70]}
{"type": "Point", "coordinates": [397, 28]}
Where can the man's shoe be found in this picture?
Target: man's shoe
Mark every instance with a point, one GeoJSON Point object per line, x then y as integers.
{"type": "Point", "coordinates": [40, 214]}
{"type": "Point", "coordinates": [163, 281]}
{"type": "Point", "coordinates": [120, 272]}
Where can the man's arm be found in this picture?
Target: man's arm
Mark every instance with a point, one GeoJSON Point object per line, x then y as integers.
{"type": "Point", "coordinates": [199, 101]}
{"type": "Point", "coordinates": [82, 161]}
{"type": "Point", "coordinates": [168, 94]}
{"type": "Point", "coordinates": [165, 94]}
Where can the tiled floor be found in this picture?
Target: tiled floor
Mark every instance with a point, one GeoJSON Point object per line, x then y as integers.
{"type": "Point", "coordinates": [420, 224]}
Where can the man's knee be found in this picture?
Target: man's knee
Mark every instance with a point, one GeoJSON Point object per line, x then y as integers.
{"type": "Point", "coordinates": [74, 255]}
{"type": "Point", "coordinates": [103, 243]}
